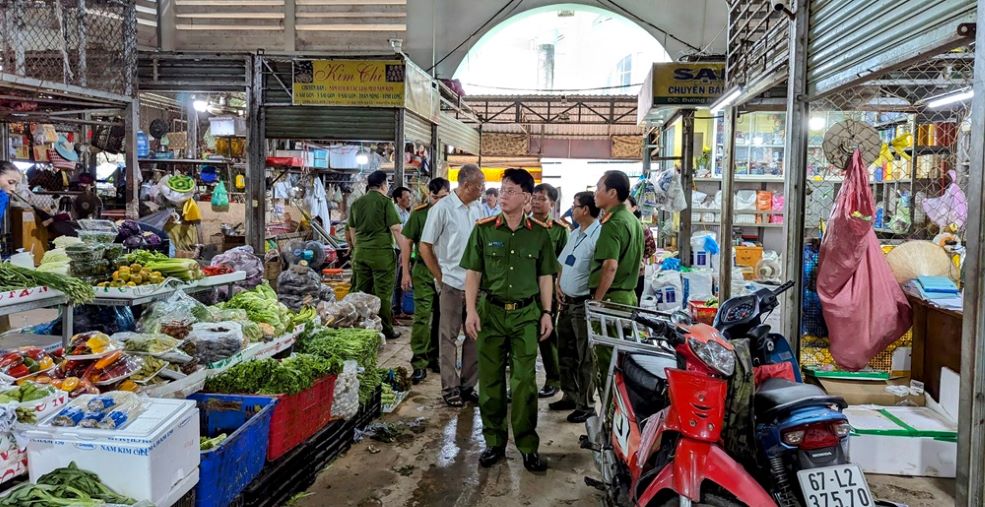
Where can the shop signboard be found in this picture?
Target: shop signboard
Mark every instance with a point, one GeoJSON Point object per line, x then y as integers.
{"type": "Point", "coordinates": [364, 83]}
{"type": "Point", "coordinates": [677, 84]}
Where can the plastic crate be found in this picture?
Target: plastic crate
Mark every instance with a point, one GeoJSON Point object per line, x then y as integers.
{"type": "Point", "coordinates": [227, 469]}
{"type": "Point", "coordinates": [370, 411]}
{"type": "Point", "coordinates": [701, 312]}
{"type": "Point", "coordinates": [299, 416]}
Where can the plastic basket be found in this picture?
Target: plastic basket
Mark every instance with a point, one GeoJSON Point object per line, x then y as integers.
{"type": "Point", "coordinates": [815, 353]}
{"type": "Point", "coordinates": [701, 312]}
{"type": "Point", "coordinates": [299, 416]}
{"type": "Point", "coordinates": [226, 470]}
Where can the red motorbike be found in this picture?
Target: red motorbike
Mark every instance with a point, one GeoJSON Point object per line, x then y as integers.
{"type": "Point", "coordinates": [658, 442]}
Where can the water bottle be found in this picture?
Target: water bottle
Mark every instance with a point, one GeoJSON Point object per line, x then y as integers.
{"type": "Point", "coordinates": [143, 145]}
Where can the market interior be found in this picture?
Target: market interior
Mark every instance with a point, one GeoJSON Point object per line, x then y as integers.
{"type": "Point", "coordinates": [237, 238]}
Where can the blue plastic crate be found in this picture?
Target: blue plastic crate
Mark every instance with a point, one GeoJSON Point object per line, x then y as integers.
{"type": "Point", "coordinates": [227, 469]}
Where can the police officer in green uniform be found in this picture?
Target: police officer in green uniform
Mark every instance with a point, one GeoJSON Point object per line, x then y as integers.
{"type": "Point", "coordinates": [423, 347]}
{"type": "Point", "coordinates": [618, 254]}
{"type": "Point", "coordinates": [542, 206]}
{"type": "Point", "coordinates": [511, 259]}
{"type": "Point", "coordinates": [375, 225]}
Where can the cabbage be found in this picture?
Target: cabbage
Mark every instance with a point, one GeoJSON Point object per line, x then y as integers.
{"type": "Point", "coordinates": [133, 242]}
{"type": "Point", "coordinates": [64, 241]}
{"type": "Point", "coordinates": [129, 228]}
{"type": "Point", "coordinates": [55, 255]}
{"type": "Point", "coordinates": [152, 239]}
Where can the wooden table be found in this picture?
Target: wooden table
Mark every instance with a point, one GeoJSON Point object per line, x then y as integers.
{"type": "Point", "coordinates": [936, 343]}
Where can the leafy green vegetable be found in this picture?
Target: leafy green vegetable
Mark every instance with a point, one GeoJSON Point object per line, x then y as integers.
{"type": "Point", "coordinates": [262, 307]}
{"type": "Point", "coordinates": [69, 486]}
{"type": "Point", "coordinates": [339, 345]}
{"type": "Point", "coordinates": [15, 277]}
{"type": "Point", "coordinates": [269, 376]}
{"type": "Point", "coordinates": [143, 257]}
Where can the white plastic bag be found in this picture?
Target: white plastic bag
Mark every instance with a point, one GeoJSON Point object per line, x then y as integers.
{"type": "Point", "coordinates": [698, 284]}
{"type": "Point", "coordinates": [668, 290]}
{"type": "Point", "coordinates": [669, 191]}
{"type": "Point", "coordinates": [345, 402]}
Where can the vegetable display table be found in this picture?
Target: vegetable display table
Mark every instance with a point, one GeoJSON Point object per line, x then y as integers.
{"type": "Point", "coordinates": [36, 298]}
{"type": "Point", "coordinates": [133, 296]}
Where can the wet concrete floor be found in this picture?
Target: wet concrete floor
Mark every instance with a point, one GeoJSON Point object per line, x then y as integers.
{"type": "Point", "coordinates": [439, 466]}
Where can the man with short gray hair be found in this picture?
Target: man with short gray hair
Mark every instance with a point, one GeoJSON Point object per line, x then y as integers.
{"type": "Point", "coordinates": [446, 233]}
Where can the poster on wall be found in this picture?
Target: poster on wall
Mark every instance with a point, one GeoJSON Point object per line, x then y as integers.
{"type": "Point", "coordinates": [365, 83]}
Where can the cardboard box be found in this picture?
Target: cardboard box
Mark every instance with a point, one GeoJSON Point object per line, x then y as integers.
{"type": "Point", "coordinates": [909, 441]}
{"type": "Point", "coordinates": [864, 392]}
{"type": "Point", "coordinates": [748, 256]}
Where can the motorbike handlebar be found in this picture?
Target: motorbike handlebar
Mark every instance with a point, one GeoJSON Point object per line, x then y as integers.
{"type": "Point", "coordinates": [783, 288]}
{"type": "Point", "coordinates": [660, 328]}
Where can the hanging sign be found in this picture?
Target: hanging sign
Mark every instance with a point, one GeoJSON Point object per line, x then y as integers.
{"type": "Point", "coordinates": [697, 84]}
{"type": "Point", "coordinates": [367, 83]}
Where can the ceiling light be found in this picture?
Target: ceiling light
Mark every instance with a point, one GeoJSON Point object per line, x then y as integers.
{"type": "Point", "coordinates": [757, 141]}
{"type": "Point", "coordinates": [726, 100]}
{"type": "Point", "coordinates": [362, 158]}
{"type": "Point", "coordinates": [200, 105]}
{"type": "Point", "coordinates": [818, 123]}
{"type": "Point", "coordinates": [951, 98]}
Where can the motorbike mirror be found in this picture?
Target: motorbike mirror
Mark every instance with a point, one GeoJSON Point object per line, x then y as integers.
{"type": "Point", "coordinates": [681, 317]}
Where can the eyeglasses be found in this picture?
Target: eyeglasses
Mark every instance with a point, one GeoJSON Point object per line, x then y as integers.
{"type": "Point", "coordinates": [509, 192]}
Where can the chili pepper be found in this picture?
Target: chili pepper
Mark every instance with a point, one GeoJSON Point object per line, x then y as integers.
{"type": "Point", "coordinates": [108, 360]}
{"type": "Point", "coordinates": [19, 371]}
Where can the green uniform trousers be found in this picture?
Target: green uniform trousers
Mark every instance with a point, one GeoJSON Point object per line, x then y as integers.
{"type": "Point", "coordinates": [603, 353]}
{"type": "Point", "coordinates": [549, 356]}
{"type": "Point", "coordinates": [508, 337]}
{"type": "Point", "coordinates": [575, 356]}
{"type": "Point", "coordinates": [374, 271]}
{"type": "Point", "coordinates": [422, 344]}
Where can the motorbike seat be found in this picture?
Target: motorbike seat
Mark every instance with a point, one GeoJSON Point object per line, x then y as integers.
{"type": "Point", "coordinates": [776, 397]}
{"type": "Point", "coordinates": [646, 381]}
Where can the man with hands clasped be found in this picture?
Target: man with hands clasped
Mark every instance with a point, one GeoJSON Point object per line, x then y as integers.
{"type": "Point", "coordinates": [510, 258]}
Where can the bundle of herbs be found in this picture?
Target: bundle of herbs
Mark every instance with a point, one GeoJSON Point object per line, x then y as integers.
{"type": "Point", "coordinates": [269, 376]}
{"type": "Point", "coordinates": [15, 277]}
{"type": "Point", "coordinates": [339, 345]}
{"type": "Point", "coordinates": [64, 486]}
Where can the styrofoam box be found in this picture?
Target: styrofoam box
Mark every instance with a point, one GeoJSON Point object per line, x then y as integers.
{"type": "Point", "coordinates": [925, 446]}
{"type": "Point", "coordinates": [145, 460]}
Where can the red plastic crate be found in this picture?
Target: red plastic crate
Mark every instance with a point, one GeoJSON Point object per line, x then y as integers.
{"type": "Point", "coordinates": [299, 416]}
{"type": "Point", "coordinates": [703, 313]}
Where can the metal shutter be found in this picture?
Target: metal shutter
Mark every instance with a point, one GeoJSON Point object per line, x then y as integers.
{"type": "Point", "coordinates": [850, 40]}
{"type": "Point", "coordinates": [330, 123]}
{"type": "Point", "coordinates": [416, 129]}
{"type": "Point", "coordinates": [454, 132]}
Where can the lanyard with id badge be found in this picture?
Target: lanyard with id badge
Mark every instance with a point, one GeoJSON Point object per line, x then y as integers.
{"type": "Point", "coordinates": [570, 259]}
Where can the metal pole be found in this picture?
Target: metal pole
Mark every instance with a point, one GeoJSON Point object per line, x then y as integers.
{"type": "Point", "coordinates": [192, 147]}
{"type": "Point", "coordinates": [970, 490]}
{"type": "Point", "coordinates": [647, 158]}
{"type": "Point", "coordinates": [728, 182]}
{"type": "Point", "coordinates": [290, 35]}
{"type": "Point", "coordinates": [256, 142]}
{"type": "Point", "coordinates": [133, 167]}
{"type": "Point", "coordinates": [167, 28]}
{"type": "Point", "coordinates": [433, 151]}
{"type": "Point", "coordinates": [398, 152]}
{"type": "Point", "coordinates": [794, 183]}
{"type": "Point", "coordinates": [4, 141]}
{"type": "Point", "coordinates": [687, 175]}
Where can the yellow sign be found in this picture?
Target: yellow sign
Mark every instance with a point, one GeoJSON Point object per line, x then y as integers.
{"type": "Point", "coordinates": [695, 84]}
{"type": "Point", "coordinates": [367, 83]}
{"type": "Point", "coordinates": [495, 174]}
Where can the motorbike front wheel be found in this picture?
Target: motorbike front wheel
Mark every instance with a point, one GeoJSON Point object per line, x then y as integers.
{"type": "Point", "coordinates": [707, 500]}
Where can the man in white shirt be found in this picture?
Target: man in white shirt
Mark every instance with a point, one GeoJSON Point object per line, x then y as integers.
{"type": "Point", "coordinates": [490, 203]}
{"type": "Point", "coordinates": [446, 234]}
{"type": "Point", "coordinates": [574, 352]}
{"type": "Point", "coordinates": [402, 199]}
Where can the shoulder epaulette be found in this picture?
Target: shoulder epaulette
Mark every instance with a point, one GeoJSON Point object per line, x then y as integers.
{"type": "Point", "coordinates": [423, 206]}
{"type": "Point", "coordinates": [562, 224]}
{"type": "Point", "coordinates": [486, 220]}
{"type": "Point", "coordinates": [538, 222]}
{"type": "Point", "coordinates": [606, 217]}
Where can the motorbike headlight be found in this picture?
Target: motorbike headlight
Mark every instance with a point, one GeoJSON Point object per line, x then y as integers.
{"type": "Point", "coordinates": [714, 355]}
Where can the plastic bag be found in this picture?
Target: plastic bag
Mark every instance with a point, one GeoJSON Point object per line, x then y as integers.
{"type": "Point", "coordinates": [243, 259]}
{"type": "Point", "coordinates": [698, 285]}
{"type": "Point", "coordinates": [367, 305]}
{"type": "Point", "coordinates": [173, 316]}
{"type": "Point", "coordinates": [669, 193]}
{"type": "Point", "coordinates": [217, 314]}
{"type": "Point", "coordinates": [345, 402]}
{"type": "Point", "coordinates": [668, 290]}
{"type": "Point", "coordinates": [220, 197]}
{"type": "Point", "coordinates": [950, 208]}
{"type": "Point", "coordinates": [863, 306]}
{"type": "Point", "coordinates": [105, 319]}
{"type": "Point", "coordinates": [299, 286]}
{"type": "Point", "coordinates": [214, 341]}
{"type": "Point", "coordinates": [338, 314]}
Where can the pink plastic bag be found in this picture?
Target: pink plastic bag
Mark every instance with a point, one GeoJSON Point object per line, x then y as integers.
{"type": "Point", "coordinates": [864, 307]}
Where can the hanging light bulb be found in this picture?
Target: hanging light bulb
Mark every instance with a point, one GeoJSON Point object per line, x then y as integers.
{"type": "Point", "coordinates": [200, 105]}
{"type": "Point", "coordinates": [362, 158]}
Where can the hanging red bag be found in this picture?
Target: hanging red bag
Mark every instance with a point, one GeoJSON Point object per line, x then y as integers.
{"type": "Point", "coordinates": [863, 305]}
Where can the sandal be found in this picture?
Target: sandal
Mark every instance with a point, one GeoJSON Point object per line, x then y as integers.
{"type": "Point", "coordinates": [454, 400]}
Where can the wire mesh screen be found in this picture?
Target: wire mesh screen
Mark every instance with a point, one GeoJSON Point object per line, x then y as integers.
{"type": "Point", "coordinates": [918, 168]}
{"type": "Point", "coordinates": [87, 43]}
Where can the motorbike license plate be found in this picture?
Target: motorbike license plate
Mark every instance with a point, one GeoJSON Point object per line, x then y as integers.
{"type": "Point", "coordinates": [835, 486]}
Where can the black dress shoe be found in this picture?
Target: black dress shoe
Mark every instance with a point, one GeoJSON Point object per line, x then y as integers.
{"type": "Point", "coordinates": [580, 416]}
{"type": "Point", "coordinates": [491, 456]}
{"type": "Point", "coordinates": [548, 392]}
{"type": "Point", "coordinates": [419, 375]}
{"type": "Point", "coordinates": [434, 368]}
{"type": "Point", "coordinates": [469, 395]}
{"type": "Point", "coordinates": [534, 463]}
{"type": "Point", "coordinates": [562, 404]}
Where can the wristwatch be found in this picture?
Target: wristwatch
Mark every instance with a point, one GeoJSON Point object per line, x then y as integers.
{"type": "Point", "coordinates": [546, 312]}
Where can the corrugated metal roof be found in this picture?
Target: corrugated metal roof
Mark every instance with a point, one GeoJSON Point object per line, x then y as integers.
{"type": "Point", "coordinates": [564, 130]}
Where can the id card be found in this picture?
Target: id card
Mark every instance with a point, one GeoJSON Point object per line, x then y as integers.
{"type": "Point", "coordinates": [570, 260]}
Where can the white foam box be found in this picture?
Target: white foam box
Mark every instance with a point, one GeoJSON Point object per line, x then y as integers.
{"type": "Point", "coordinates": [148, 459]}
{"type": "Point", "coordinates": [915, 441]}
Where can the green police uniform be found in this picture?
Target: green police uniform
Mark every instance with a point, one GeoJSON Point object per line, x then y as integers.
{"type": "Point", "coordinates": [621, 238]}
{"type": "Point", "coordinates": [373, 262]}
{"type": "Point", "coordinates": [424, 349]}
{"type": "Point", "coordinates": [511, 263]}
{"type": "Point", "coordinates": [558, 231]}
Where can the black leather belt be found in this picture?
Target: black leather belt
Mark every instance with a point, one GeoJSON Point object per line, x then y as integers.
{"type": "Point", "coordinates": [573, 301]}
{"type": "Point", "coordinates": [510, 305]}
